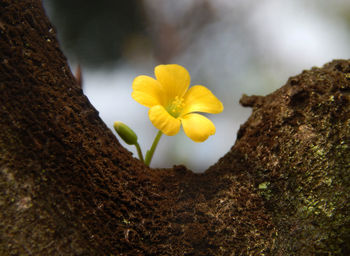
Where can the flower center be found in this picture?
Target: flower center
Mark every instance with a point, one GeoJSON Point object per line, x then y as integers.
{"type": "Point", "coordinates": [175, 107]}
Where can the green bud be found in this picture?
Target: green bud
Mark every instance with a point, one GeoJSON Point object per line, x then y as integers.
{"type": "Point", "coordinates": [125, 132]}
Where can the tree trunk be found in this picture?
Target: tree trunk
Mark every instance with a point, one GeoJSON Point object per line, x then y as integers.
{"type": "Point", "coordinates": [69, 188]}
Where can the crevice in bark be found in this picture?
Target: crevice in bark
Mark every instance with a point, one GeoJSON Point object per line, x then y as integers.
{"type": "Point", "coordinates": [67, 187]}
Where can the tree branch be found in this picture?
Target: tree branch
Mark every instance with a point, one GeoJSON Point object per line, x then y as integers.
{"type": "Point", "coordinates": [67, 187]}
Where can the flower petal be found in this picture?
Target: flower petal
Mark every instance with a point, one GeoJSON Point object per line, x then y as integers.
{"type": "Point", "coordinates": [147, 91]}
{"type": "Point", "coordinates": [174, 79]}
{"type": "Point", "coordinates": [197, 127]}
{"type": "Point", "coordinates": [200, 99]}
{"type": "Point", "coordinates": [163, 121]}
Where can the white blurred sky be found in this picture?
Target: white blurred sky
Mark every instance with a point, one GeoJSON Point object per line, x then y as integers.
{"type": "Point", "coordinates": [273, 40]}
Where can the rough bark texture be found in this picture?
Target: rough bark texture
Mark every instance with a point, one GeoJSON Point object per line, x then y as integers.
{"type": "Point", "coordinates": [67, 187]}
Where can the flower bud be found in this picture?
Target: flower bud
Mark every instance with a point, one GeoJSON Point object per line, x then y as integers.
{"type": "Point", "coordinates": [125, 133]}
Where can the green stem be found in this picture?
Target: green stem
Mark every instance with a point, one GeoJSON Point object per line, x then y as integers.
{"type": "Point", "coordinates": [139, 152]}
{"type": "Point", "coordinates": [150, 152]}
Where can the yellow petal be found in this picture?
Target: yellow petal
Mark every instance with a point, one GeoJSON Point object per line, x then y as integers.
{"type": "Point", "coordinates": [163, 121]}
{"type": "Point", "coordinates": [197, 127]}
{"type": "Point", "coordinates": [200, 99]}
{"type": "Point", "coordinates": [147, 91]}
{"type": "Point", "coordinates": [174, 79]}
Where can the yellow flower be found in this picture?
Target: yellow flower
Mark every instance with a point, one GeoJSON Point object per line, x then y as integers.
{"type": "Point", "coordinates": [171, 103]}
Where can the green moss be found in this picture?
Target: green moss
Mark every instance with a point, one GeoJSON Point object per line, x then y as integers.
{"type": "Point", "coordinates": [264, 190]}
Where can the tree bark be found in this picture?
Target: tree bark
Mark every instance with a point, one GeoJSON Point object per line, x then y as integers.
{"type": "Point", "coordinates": [67, 187]}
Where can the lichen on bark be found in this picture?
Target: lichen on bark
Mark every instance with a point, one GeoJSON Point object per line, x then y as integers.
{"type": "Point", "coordinates": [303, 154]}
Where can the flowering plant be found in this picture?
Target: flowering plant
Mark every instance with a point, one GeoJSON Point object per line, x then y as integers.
{"type": "Point", "coordinates": [173, 103]}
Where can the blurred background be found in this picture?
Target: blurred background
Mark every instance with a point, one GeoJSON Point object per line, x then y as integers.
{"type": "Point", "coordinates": [230, 46]}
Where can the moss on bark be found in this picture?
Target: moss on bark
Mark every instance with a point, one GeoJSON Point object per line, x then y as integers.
{"type": "Point", "coordinates": [302, 154]}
